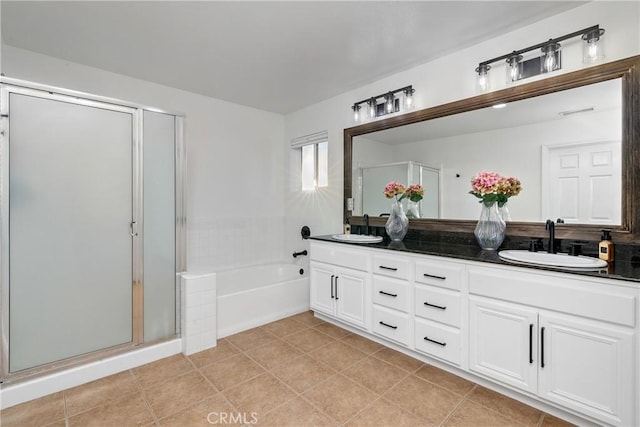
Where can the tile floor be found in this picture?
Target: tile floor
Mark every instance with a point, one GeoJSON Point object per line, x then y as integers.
{"type": "Point", "coordinates": [299, 371]}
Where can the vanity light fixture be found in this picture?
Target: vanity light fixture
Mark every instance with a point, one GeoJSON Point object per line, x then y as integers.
{"type": "Point", "coordinates": [386, 103]}
{"type": "Point", "coordinates": [549, 59]}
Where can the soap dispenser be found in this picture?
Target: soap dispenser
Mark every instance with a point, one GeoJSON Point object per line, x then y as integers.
{"type": "Point", "coordinates": [605, 247]}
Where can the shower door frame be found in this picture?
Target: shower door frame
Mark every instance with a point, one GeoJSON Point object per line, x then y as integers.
{"type": "Point", "coordinates": [11, 85]}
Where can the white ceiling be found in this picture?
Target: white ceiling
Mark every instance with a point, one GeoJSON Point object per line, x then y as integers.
{"type": "Point", "coordinates": [275, 56]}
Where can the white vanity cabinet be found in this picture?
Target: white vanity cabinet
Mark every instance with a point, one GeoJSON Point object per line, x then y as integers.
{"type": "Point", "coordinates": [567, 340]}
{"type": "Point", "coordinates": [555, 340]}
{"type": "Point", "coordinates": [340, 282]}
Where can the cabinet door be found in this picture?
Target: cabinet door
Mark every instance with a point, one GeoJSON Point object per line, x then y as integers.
{"type": "Point", "coordinates": [322, 294]}
{"type": "Point", "coordinates": [350, 287]}
{"type": "Point", "coordinates": [588, 367]}
{"type": "Point", "coordinates": [502, 342]}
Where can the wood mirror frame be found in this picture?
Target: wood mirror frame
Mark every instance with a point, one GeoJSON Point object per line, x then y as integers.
{"type": "Point", "coordinates": [627, 69]}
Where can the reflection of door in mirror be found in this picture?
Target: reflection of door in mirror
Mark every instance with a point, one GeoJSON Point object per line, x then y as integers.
{"type": "Point", "coordinates": [372, 179]}
{"type": "Point", "coordinates": [583, 184]}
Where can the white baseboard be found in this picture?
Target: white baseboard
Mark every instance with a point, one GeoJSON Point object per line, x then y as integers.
{"type": "Point", "coordinates": [14, 394]}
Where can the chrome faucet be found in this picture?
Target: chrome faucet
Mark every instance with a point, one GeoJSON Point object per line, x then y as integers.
{"type": "Point", "coordinates": [551, 227]}
{"type": "Point", "coordinates": [366, 224]}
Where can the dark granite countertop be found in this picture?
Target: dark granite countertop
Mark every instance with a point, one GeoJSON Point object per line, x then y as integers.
{"type": "Point", "coordinates": [625, 268]}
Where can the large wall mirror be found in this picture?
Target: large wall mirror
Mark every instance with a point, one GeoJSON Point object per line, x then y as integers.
{"type": "Point", "coordinates": [572, 140]}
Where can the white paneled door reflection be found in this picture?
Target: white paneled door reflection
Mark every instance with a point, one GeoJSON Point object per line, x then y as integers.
{"type": "Point", "coordinates": [584, 183]}
{"type": "Point", "coordinates": [70, 209]}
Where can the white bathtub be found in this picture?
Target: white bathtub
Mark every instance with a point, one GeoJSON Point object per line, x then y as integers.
{"type": "Point", "coordinates": [256, 295]}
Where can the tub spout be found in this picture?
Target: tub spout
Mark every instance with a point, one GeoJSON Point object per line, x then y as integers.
{"type": "Point", "coordinates": [301, 253]}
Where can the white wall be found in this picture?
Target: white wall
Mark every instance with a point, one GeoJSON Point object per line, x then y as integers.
{"type": "Point", "coordinates": [444, 80]}
{"type": "Point", "coordinates": [235, 178]}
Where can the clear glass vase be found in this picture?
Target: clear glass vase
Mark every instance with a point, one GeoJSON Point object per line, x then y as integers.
{"type": "Point", "coordinates": [504, 212]}
{"type": "Point", "coordinates": [490, 228]}
{"type": "Point", "coordinates": [413, 209]}
{"type": "Point", "coordinates": [398, 224]}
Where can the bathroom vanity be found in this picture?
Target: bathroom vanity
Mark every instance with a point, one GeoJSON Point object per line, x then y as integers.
{"type": "Point", "coordinates": [552, 339]}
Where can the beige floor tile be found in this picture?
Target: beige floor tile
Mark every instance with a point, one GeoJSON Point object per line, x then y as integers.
{"type": "Point", "coordinates": [340, 397]}
{"type": "Point", "coordinates": [308, 340]}
{"type": "Point", "coordinates": [161, 370]}
{"type": "Point", "coordinates": [398, 359]}
{"type": "Point", "coordinates": [100, 392]}
{"type": "Point", "coordinates": [221, 351]}
{"type": "Point", "coordinates": [375, 374]}
{"type": "Point", "coordinates": [361, 343]}
{"type": "Point", "coordinates": [303, 373]}
{"type": "Point", "coordinates": [178, 393]}
{"type": "Point", "coordinates": [506, 406]}
{"type": "Point", "coordinates": [338, 355]}
{"type": "Point", "coordinates": [444, 379]}
{"type": "Point", "coordinates": [215, 410]}
{"type": "Point", "coordinates": [38, 412]}
{"type": "Point", "coordinates": [472, 414]}
{"type": "Point", "coordinates": [259, 394]}
{"type": "Point", "coordinates": [296, 413]}
{"type": "Point", "coordinates": [252, 338]}
{"type": "Point", "coordinates": [551, 421]}
{"type": "Point", "coordinates": [332, 330]}
{"type": "Point", "coordinates": [274, 353]}
{"type": "Point", "coordinates": [384, 413]}
{"type": "Point", "coordinates": [423, 399]}
{"type": "Point", "coordinates": [232, 371]}
{"type": "Point", "coordinates": [284, 327]}
{"type": "Point", "coordinates": [130, 411]}
{"type": "Point", "coordinates": [308, 318]}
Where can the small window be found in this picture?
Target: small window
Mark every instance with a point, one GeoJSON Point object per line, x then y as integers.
{"type": "Point", "coordinates": [314, 165]}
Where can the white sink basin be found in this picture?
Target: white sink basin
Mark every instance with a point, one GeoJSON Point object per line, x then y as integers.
{"type": "Point", "coordinates": [553, 260]}
{"type": "Point", "coordinates": [357, 238]}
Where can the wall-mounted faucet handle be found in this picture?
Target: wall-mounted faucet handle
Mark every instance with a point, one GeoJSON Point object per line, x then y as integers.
{"type": "Point", "coordinates": [301, 253]}
{"type": "Point", "coordinates": [575, 248]}
{"type": "Point", "coordinates": [536, 245]}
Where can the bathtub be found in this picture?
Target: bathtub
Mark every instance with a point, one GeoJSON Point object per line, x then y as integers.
{"type": "Point", "coordinates": [255, 295]}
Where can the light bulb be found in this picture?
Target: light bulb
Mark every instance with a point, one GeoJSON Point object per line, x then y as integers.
{"type": "Point", "coordinates": [408, 99]}
{"type": "Point", "coordinates": [482, 81]}
{"type": "Point", "coordinates": [372, 108]}
{"type": "Point", "coordinates": [550, 60]}
{"type": "Point", "coordinates": [593, 46]}
{"type": "Point", "coordinates": [389, 103]}
{"type": "Point", "coordinates": [356, 113]}
{"type": "Point", "coordinates": [513, 68]}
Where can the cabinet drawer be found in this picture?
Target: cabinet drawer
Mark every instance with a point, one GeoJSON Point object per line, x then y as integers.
{"type": "Point", "coordinates": [342, 255]}
{"type": "Point", "coordinates": [568, 295]}
{"type": "Point", "coordinates": [441, 274]}
{"type": "Point", "coordinates": [391, 266]}
{"type": "Point", "coordinates": [391, 324]}
{"type": "Point", "coordinates": [439, 341]}
{"type": "Point", "coordinates": [391, 293]}
{"type": "Point", "coordinates": [441, 305]}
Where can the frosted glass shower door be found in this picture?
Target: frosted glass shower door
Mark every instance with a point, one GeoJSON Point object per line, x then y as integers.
{"type": "Point", "coordinates": [70, 210]}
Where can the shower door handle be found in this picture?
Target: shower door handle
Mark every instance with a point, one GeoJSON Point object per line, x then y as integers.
{"type": "Point", "coordinates": [132, 225]}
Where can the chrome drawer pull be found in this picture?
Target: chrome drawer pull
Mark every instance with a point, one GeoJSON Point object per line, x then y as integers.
{"type": "Point", "coordinates": [435, 342]}
{"type": "Point", "coordinates": [388, 326]}
{"type": "Point", "coordinates": [441, 307]}
{"type": "Point", "coordinates": [387, 293]}
{"type": "Point", "coordinates": [388, 268]}
{"type": "Point", "coordinates": [433, 276]}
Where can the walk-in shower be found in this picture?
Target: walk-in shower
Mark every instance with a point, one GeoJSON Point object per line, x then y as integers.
{"type": "Point", "coordinates": [92, 210]}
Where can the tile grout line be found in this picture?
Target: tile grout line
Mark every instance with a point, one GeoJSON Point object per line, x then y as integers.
{"type": "Point", "coordinates": [156, 421]}
{"type": "Point", "coordinates": [465, 397]}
